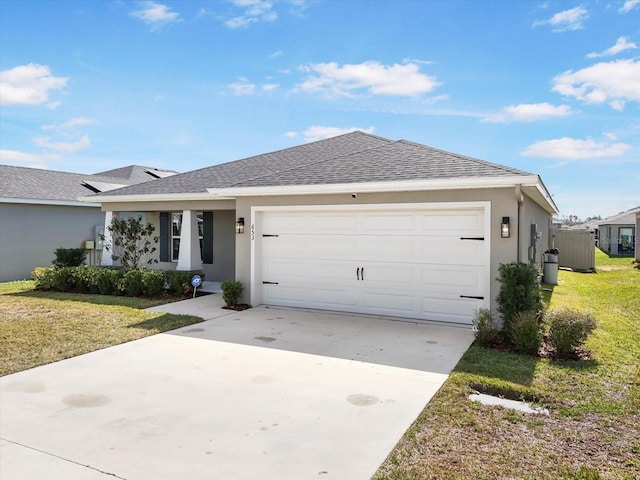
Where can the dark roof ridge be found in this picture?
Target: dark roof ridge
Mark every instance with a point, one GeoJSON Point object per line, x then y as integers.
{"type": "Point", "coordinates": [323, 160]}
{"type": "Point", "coordinates": [465, 157]}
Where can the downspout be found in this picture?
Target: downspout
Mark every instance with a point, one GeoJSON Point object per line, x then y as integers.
{"type": "Point", "coordinates": [520, 200]}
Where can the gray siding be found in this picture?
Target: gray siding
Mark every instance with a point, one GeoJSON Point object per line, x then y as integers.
{"type": "Point", "coordinates": [29, 235]}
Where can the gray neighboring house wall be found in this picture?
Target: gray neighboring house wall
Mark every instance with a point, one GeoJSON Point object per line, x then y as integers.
{"type": "Point", "coordinates": [618, 233]}
{"type": "Point", "coordinates": [354, 223]}
{"type": "Point", "coordinates": [40, 211]}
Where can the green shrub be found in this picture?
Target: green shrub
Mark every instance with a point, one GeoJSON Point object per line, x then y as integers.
{"type": "Point", "coordinates": [484, 326]}
{"type": "Point", "coordinates": [131, 284]}
{"type": "Point", "coordinates": [526, 333]}
{"type": "Point", "coordinates": [153, 282]}
{"type": "Point", "coordinates": [231, 292]}
{"type": "Point", "coordinates": [63, 280]}
{"type": "Point", "coordinates": [519, 292]}
{"type": "Point", "coordinates": [180, 281]}
{"type": "Point", "coordinates": [69, 257]}
{"type": "Point", "coordinates": [108, 280]}
{"type": "Point", "coordinates": [569, 329]}
{"type": "Point", "coordinates": [43, 278]}
{"type": "Point", "coordinates": [84, 279]}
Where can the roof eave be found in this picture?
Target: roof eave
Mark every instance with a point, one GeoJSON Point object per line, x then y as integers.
{"type": "Point", "coordinates": [150, 197]}
{"type": "Point", "coordinates": [44, 201]}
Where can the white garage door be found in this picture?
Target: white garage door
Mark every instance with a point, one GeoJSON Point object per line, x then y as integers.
{"type": "Point", "coordinates": [427, 264]}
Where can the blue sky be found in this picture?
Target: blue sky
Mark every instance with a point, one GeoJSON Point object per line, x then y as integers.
{"type": "Point", "coordinates": [548, 87]}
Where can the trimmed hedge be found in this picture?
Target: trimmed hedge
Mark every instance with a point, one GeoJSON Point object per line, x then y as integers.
{"type": "Point", "coordinates": [137, 282]}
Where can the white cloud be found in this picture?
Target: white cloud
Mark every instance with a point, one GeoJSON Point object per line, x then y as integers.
{"type": "Point", "coordinates": [63, 147]}
{"type": "Point", "coordinates": [529, 112]}
{"type": "Point", "coordinates": [316, 132]}
{"type": "Point", "coordinates": [74, 122]}
{"type": "Point", "coordinates": [334, 80]}
{"type": "Point", "coordinates": [23, 159]}
{"type": "Point", "coordinates": [155, 14]}
{"type": "Point", "coordinates": [566, 20]}
{"type": "Point", "coordinates": [276, 54]}
{"type": "Point", "coordinates": [29, 85]}
{"type": "Point", "coordinates": [614, 82]}
{"type": "Point", "coordinates": [629, 5]}
{"type": "Point", "coordinates": [621, 45]}
{"type": "Point", "coordinates": [267, 87]}
{"type": "Point", "coordinates": [242, 87]}
{"type": "Point", "coordinates": [254, 11]}
{"type": "Point", "coordinates": [575, 149]}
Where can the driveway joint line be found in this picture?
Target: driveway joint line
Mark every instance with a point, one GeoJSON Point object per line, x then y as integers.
{"type": "Point", "coordinates": [63, 458]}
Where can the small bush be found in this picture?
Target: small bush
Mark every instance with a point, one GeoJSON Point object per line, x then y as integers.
{"type": "Point", "coordinates": [43, 278]}
{"type": "Point", "coordinates": [131, 284]}
{"type": "Point", "coordinates": [569, 329]}
{"type": "Point", "coordinates": [63, 280]}
{"type": "Point", "coordinates": [484, 327]}
{"type": "Point", "coordinates": [231, 292]}
{"type": "Point", "coordinates": [69, 257]}
{"type": "Point", "coordinates": [153, 282]}
{"type": "Point", "coordinates": [108, 281]}
{"type": "Point", "coordinates": [84, 279]}
{"type": "Point", "coordinates": [526, 334]}
{"type": "Point", "coordinates": [180, 281]}
{"type": "Point", "coordinates": [519, 292]}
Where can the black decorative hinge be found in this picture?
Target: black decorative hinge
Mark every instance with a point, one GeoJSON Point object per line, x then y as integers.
{"type": "Point", "coordinates": [471, 238]}
{"type": "Point", "coordinates": [472, 296]}
{"type": "Point", "coordinates": [268, 235]}
{"type": "Point", "coordinates": [270, 283]}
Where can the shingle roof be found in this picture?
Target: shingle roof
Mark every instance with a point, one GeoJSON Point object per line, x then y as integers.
{"type": "Point", "coordinates": [38, 184]}
{"type": "Point", "coordinates": [627, 217]}
{"type": "Point", "coordinates": [355, 157]}
{"type": "Point", "coordinates": [137, 173]}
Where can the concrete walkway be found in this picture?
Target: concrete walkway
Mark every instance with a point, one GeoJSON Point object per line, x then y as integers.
{"type": "Point", "coordinates": [264, 393]}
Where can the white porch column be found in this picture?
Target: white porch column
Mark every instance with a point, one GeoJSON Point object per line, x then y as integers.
{"type": "Point", "coordinates": [106, 260]}
{"type": "Point", "coordinates": [189, 255]}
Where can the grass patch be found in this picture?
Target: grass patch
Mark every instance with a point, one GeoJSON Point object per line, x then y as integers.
{"type": "Point", "coordinates": [37, 327]}
{"type": "Point", "coordinates": [593, 431]}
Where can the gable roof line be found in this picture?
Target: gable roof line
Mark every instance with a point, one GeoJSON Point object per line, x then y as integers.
{"type": "Point", "coordinates": [465, 157]}
{"type": "Point", "coordinates": [312, 162]}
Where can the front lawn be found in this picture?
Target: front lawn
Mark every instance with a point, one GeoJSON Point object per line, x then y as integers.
{"type": "Point", "coordinates": [42, 327]}
{"type": "Point", "coordinates": [593, 430]}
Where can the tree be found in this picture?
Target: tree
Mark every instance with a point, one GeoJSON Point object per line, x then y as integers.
{"type": "Point", "coordinates": [131, 241]}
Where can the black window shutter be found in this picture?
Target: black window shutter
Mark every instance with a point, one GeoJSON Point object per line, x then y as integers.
{"type": "Point", "coordinates": [165, 241]}
{"type": "Point", "coordinates": [207, 237]}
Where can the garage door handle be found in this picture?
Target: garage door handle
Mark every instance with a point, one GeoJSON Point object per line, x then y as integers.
{"type": "Point", "coordinates": [471, 238]}
{"type": "Point", "coordinates": [362, 273]}
{"type": "Point", "coordinates": [472, 296]}
{"type": "Point", "coordinates": [270, 283]}
{"type": "Point", "coordinates": [358, 273]}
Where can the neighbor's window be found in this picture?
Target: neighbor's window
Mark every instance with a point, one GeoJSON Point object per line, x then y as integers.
{"type": "Point", "coordinates": [626, 240]}
{"type": "Point", "coordinates": [176, 227]}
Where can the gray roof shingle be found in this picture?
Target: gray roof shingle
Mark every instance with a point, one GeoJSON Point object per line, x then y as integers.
{"type": "Point", "coordinates": [355, 157]}
{"type": "Point", "coordinates": [37, 184]}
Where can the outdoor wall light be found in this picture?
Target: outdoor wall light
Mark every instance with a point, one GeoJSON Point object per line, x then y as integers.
{"type": "Point", "coordinates": [240, 225]}
{"type": "Point", "coordinates": [505, 229]}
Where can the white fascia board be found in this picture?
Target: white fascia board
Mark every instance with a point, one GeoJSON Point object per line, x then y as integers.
{"type": "Point", "coordinates": [153, 197]}
{"type": "Point", "coordinates": [375, 187]}
{"type": "Point", "coordinates": [38, 201]}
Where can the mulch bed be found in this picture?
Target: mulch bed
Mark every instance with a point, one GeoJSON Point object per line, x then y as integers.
{"type": "Point", "coordinates": [237, 307]}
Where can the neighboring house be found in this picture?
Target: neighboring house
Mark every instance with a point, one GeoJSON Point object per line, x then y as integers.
{"type": "Point", "coordinates": [637, 241]}
{"type": "Point", "coordinates": [354, 223]}
{"type": "Point", "coordinates": [40, 212]}
{"type": "Point", "coordinates": [618, 233]}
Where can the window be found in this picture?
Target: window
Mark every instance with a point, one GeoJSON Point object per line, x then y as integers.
{"type": "Point", "coordinates": [626, 240]}
{"type": "Point", "coordinates": [176, 228]}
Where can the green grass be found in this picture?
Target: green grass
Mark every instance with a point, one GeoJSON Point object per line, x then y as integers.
{"type": "Point", "coordinates": [593, 430]}
{"type": "Point", "coordinates": [43, 327]}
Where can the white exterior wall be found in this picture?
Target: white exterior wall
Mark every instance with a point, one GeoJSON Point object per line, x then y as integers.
{"type": "Point", "coordinates": [503, 204]}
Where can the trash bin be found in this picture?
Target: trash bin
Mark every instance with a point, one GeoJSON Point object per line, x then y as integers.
{"type": "Point", "coordinates": [550, 272]}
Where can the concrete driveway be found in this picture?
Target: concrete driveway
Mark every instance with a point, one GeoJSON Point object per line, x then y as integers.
{"type": "Point", "coordinates": [260, 394]}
